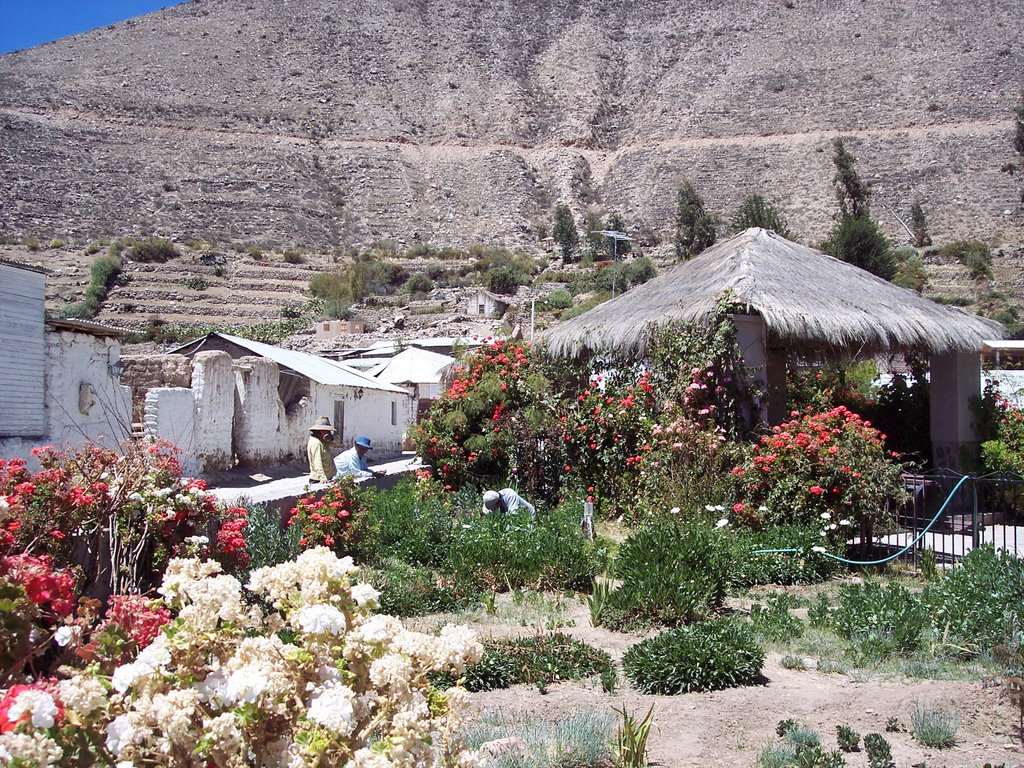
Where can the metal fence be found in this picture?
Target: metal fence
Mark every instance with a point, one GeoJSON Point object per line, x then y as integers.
{"type": "Point", "coordinates": [983, 510]}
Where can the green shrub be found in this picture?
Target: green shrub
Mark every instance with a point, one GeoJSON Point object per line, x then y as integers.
{"type": "Point", "coordinates": [802, 567]}
{"type": "Point", "coordinates": [672, 572]}
{"type": "Point", "coordinates": [978, 604]}
{"type": "Point", "coordinates": [847, 738]}
{"type": "Point", "coordinates": [155, 249]}
{"type": "Point", "coordinates": [294, 256]}
{"type": "Point", "coordinates": [546, 658]}
{"type": "Point", "coordinates": [976, 256]}
{"type": "Point", "coordinates": [510, 551]}
{"type": "Point", "coordinates": [268, 540]}
{"type": "Point", "coordinates": [409, 590]}
{"type": "Point", "coordinates": [195, 283]}
{"type": "Point", "coordinates": [880, 621]}
{"type": "Point", "coordinates": [879, 751]}
{"type": "Point", "coordinates": [418, 282]}
{"type": "Point", "coordinates": [557, 300]}
{"type": "Point", "coordinates": [708, 656]}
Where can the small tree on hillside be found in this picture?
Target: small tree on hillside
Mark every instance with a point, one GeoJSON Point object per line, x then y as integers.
{"type": "Point", "coordinates": [1018, 135]}
{"type": "Point", "coordinates": [591, 233]}
{"type": "Point", "coordinates": [919, 225]}
{"type": "Point", "coordinates": [565, 233]}
{"type": "Point", "coordinates": [852, 193]}
{"type": "Point", "coordinates": [695, 229]}
{"type": "Point", "coordinates": [755, 211]}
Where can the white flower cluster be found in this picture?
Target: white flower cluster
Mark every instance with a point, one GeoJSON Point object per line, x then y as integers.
{"type": "Point", "coordinates": [220, 685]}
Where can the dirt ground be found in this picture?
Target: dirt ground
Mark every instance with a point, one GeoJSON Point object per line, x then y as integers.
{"type": "Point", "coordinates": [729, 728]}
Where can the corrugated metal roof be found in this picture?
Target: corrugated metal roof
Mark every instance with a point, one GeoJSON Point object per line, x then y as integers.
{"type": "Point", "coordinates": [89, 326]}
{"type": "Point", "coordinates": [315, 368]}
{"type": "Point", "coordinates": [419, 366]}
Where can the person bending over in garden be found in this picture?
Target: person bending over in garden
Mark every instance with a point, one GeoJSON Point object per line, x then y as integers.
{"type": "Point", "coordinates": [321, 462]}
{"type": "Point", "coordinates": [507, 501]}
{"type": "Point", "coordinates": [353, 461]}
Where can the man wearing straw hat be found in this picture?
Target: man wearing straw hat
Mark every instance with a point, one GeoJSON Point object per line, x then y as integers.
{"type": "Point", "coordinates": [321, 462]}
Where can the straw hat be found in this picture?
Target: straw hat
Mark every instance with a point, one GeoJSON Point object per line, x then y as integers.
{"type": "Point", "coordinates": [323, 424]}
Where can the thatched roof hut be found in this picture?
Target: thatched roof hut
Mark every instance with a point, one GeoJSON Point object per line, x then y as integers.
{"type": "Point", "coordinates": [807, 299]}
{"type": "Point", "coordinates": [787, 297]}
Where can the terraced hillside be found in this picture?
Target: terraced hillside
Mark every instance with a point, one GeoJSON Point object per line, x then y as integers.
{"type": "Point", "coordinates": [323, 123]}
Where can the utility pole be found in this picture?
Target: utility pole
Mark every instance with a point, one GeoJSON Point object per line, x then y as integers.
{"type": "Point", "coordinates": [615, 236]}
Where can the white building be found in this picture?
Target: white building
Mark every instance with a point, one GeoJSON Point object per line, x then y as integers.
{"type": "Point", "coordinates": [417, 369]}
{"type": "Point", "coordinates": [252, 403]}
{"type": "Point", "coordinates": [59, 381]}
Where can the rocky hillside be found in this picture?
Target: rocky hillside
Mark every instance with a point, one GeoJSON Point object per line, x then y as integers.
{"type": "Point", "coordinates": [322, 123]}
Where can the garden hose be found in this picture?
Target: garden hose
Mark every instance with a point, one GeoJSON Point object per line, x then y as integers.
{"type": "Point", "coordinates": [884, 559]}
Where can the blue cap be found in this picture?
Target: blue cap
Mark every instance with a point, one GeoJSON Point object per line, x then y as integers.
{"type": "Point", "coordinates": [364, 442]}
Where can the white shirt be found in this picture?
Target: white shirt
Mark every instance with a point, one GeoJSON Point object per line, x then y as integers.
{"type": "Point", "coordinates": [349, 463]}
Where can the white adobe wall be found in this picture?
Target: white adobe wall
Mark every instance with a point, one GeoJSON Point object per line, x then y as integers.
{"type": "Point", "coordinates": [198, 420]}
{"type": "Point", "coordinates": [213, 386]}
{"type": "Point", "coordinates": [369, 414]}
{"type": "Point", "coordinates": [84, 401]}
{"type": "Point", "coordinates": [169, 413]}
{"type": "Point", "coordinates": [260, 435]}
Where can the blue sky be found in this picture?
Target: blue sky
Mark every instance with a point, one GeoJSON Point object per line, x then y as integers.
{"type": "Point", "coordinates": [25, 23]}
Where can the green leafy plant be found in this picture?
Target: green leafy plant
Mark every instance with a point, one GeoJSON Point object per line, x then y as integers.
{"type": "Point", "coordinates": [892, 725]}
{"type": "Point", "coordinates": [609, 680]}
{"type": "Point", "coordinates": [708, 656]}
{"type": "Point", "coordinates": [934, 727]}
{"type": "Point", "coordinates": [881, 621]}
{"type": "Point", "coordinates": [977, 605]}
{"type": "Point", "coordinates": [410, 590]}
{"type": "Point", "coordinates": [847, 738]}
{"type": "Point", "coordinates": [195, 283]}
{"type": "Point", "coordinates": [792, 662]}
{"type": "Point", "coordinates": [773, 621]}
{"type": "Point", "coordinates": [631, 739]}
{"type": "Point", "coordinates": [805, 565]}
{"type": "Point", "coordinates": [879, 751]}
{"type": "Point", "coordinates": [598, 598]}
{"type": "Point", "coordinates": [672, 572]}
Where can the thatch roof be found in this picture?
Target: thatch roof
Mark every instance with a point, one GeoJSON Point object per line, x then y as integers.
{"type": "Point", "coordinates": [808, 300]}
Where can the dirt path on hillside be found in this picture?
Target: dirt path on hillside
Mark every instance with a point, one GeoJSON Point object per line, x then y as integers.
{"type": "Point", "coordinates": [729, 728]}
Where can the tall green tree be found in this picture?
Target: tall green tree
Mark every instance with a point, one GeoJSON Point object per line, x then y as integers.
{"type": "Point", "coordinates": [565, 233]}
{"type": "Point", "coordinates": [755, 211]}
{"type": "Point", "coordinates": [695, 229]}
{"type": "Point", "coordinates": [861, 242]}
{"type": "Point", "coordinates": [852, 193]}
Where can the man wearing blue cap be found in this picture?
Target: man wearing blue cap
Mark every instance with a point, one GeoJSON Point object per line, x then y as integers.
{"type": "Point", "coordinates": [353, 461]}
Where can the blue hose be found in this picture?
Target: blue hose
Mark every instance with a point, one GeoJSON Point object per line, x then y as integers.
{"type": "Point", "coordinates": [884, 559]}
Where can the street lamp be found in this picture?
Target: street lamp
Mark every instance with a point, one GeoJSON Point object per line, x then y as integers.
{"type": "Point", "coordinates": [615, 236]}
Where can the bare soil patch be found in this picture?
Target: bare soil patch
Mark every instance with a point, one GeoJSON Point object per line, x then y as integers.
{"type": "Point", "coordinates": [730, 727]}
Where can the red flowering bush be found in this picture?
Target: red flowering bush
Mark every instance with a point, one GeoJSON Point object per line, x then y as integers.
{"type": "Point", "coordinates": [337, 519]}
{"type": "Point", "coordinates": [231, 548]}
{"type": "Point", "coordinates": [829, 469]}
{"type": "Point", "coordinates": [607, 440]}
{"type": "Point", "coordinates": [135, 510]}
{"type": "Point", "coordinates": [130, 624]}
{"type": "Point", "coordinates": [492, 422]}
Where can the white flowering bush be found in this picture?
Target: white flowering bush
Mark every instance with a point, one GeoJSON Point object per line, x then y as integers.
{"type": "Point", "coordinates": [300, 672]}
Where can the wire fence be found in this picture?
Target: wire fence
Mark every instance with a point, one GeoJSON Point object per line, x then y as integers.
{"type": "Point", "coordinates": [984, 510]}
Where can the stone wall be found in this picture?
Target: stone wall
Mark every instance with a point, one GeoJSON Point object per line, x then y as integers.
{"type": "Point", "coordinates": [144, 372]}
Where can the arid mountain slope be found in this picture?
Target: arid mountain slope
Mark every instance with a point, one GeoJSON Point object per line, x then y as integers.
{"type": "Point", "coordinates": [452, 121]}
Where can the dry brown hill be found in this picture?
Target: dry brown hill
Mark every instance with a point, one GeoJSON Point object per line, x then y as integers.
{"type": "Point", "coordinates": [451, 121]}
